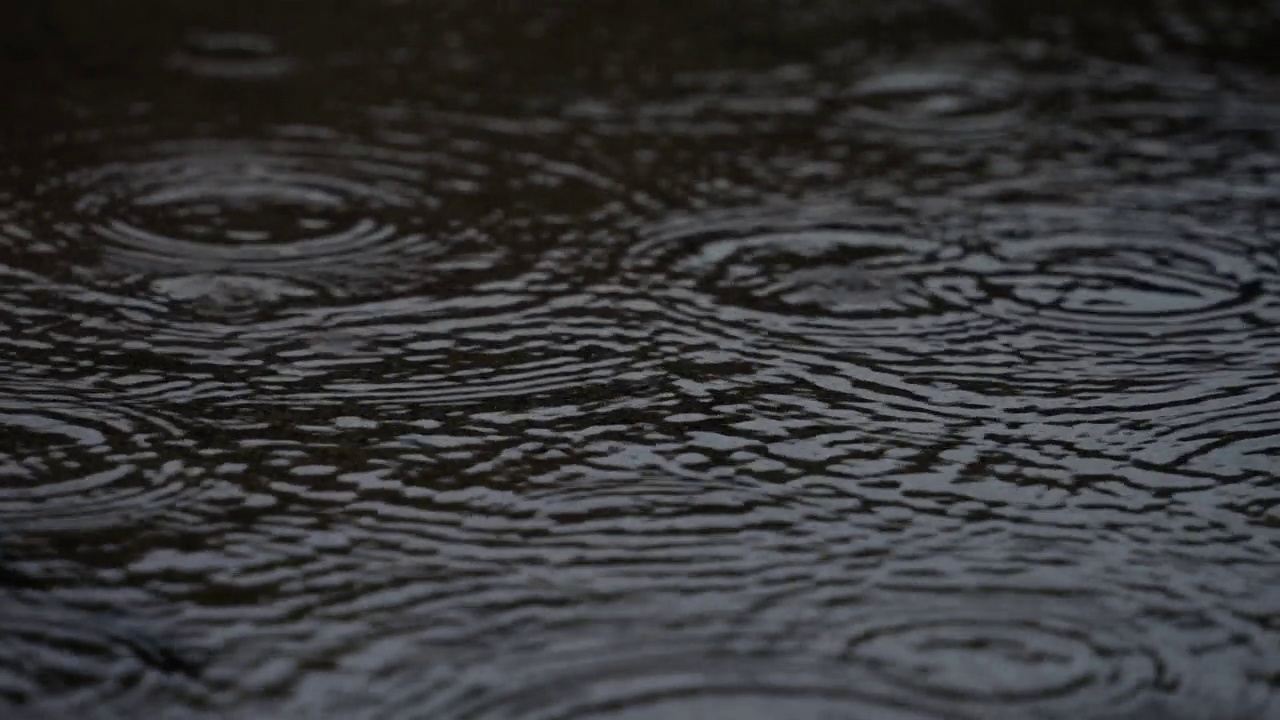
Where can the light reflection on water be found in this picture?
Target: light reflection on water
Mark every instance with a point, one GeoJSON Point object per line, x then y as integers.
{"type": "Point", "coordinates": [446, 361]}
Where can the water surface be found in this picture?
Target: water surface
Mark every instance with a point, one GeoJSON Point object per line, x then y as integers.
{"type": "Point", "coordinates": [915, 361]}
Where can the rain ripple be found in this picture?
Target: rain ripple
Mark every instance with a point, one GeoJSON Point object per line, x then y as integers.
{"type": "Point", "coordinates": [921, 100]}
{"type": "Point", "coordinates": [71, 464]}
{"type": "Point", "coordinates": [1026, 323]}
{"type": "Point", "coordinates": [823, 275]}
{"type": "Point", "coordinates": [274, 258]}
{"type": "Point", "coordinates": [301, 211]}
{"type": "Point", "coordinates": [1177, 317]}
{"type": "Point", "coordinates": [1123, 277]}
{"type": "Point", "coordinates": [569, 596]}
{"type": "Point", "coordinates": [323, 211]}
{"type": "Point", "coordinates": [232, 56]}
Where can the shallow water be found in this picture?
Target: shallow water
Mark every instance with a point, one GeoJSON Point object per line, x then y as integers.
{"type": "Point", "coordinates": [913, 361]}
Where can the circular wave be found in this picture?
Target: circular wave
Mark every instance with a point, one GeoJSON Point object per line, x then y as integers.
{"type": "Point", "coordinates": [639, 686]}
{"type": "Point", "coordinates": [841, 301]}
{"type": "Point", "coordinates": [998, 653]}
{"type": "Point", "coordinates": [71, 465]}
{"type": "Point", "coordinates": [281, 208]}
{"type": "Point", "coordinates": [304, 209]}
{"type": "Point", "coordinates": [232, 56]}
{"type": "Point", "coordinates": [1160, 319]}
{"type": "Point", "coordinates": [532, 594]}
{"type": "Point", "coordinates": [1059, 619]}
{"type": "Point", "coordinates": [996, 620]}
{"type": "Point", "coordinates": [227, 296]}
{"type": "Point", "coordinates": [635, 679]}
{"type": "Point", "coordinates": [1003, 660]}
{"type": "Point", "coordinates": [828, 273]}
{"type": "Point", "coordinates": [1140, 282]}
{"type": "Point", "coordinates": [924, 330]}
{"type": "Point", "coordinates": [921, 99]}
{"type": "Point", "coordinates": [314, 268]}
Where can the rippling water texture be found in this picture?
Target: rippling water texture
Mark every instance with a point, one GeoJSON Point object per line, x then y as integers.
{"type": "Point", "coordinates": [443, 360]}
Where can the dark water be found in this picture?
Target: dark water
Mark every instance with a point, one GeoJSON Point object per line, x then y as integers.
{"type": "Point", "coordinates": [445, 360]}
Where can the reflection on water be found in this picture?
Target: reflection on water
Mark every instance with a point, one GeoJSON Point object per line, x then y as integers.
{"type": "Point", "coordinates": [456, 360]}
{"type": "Point", "coordinates": [237, 56]}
